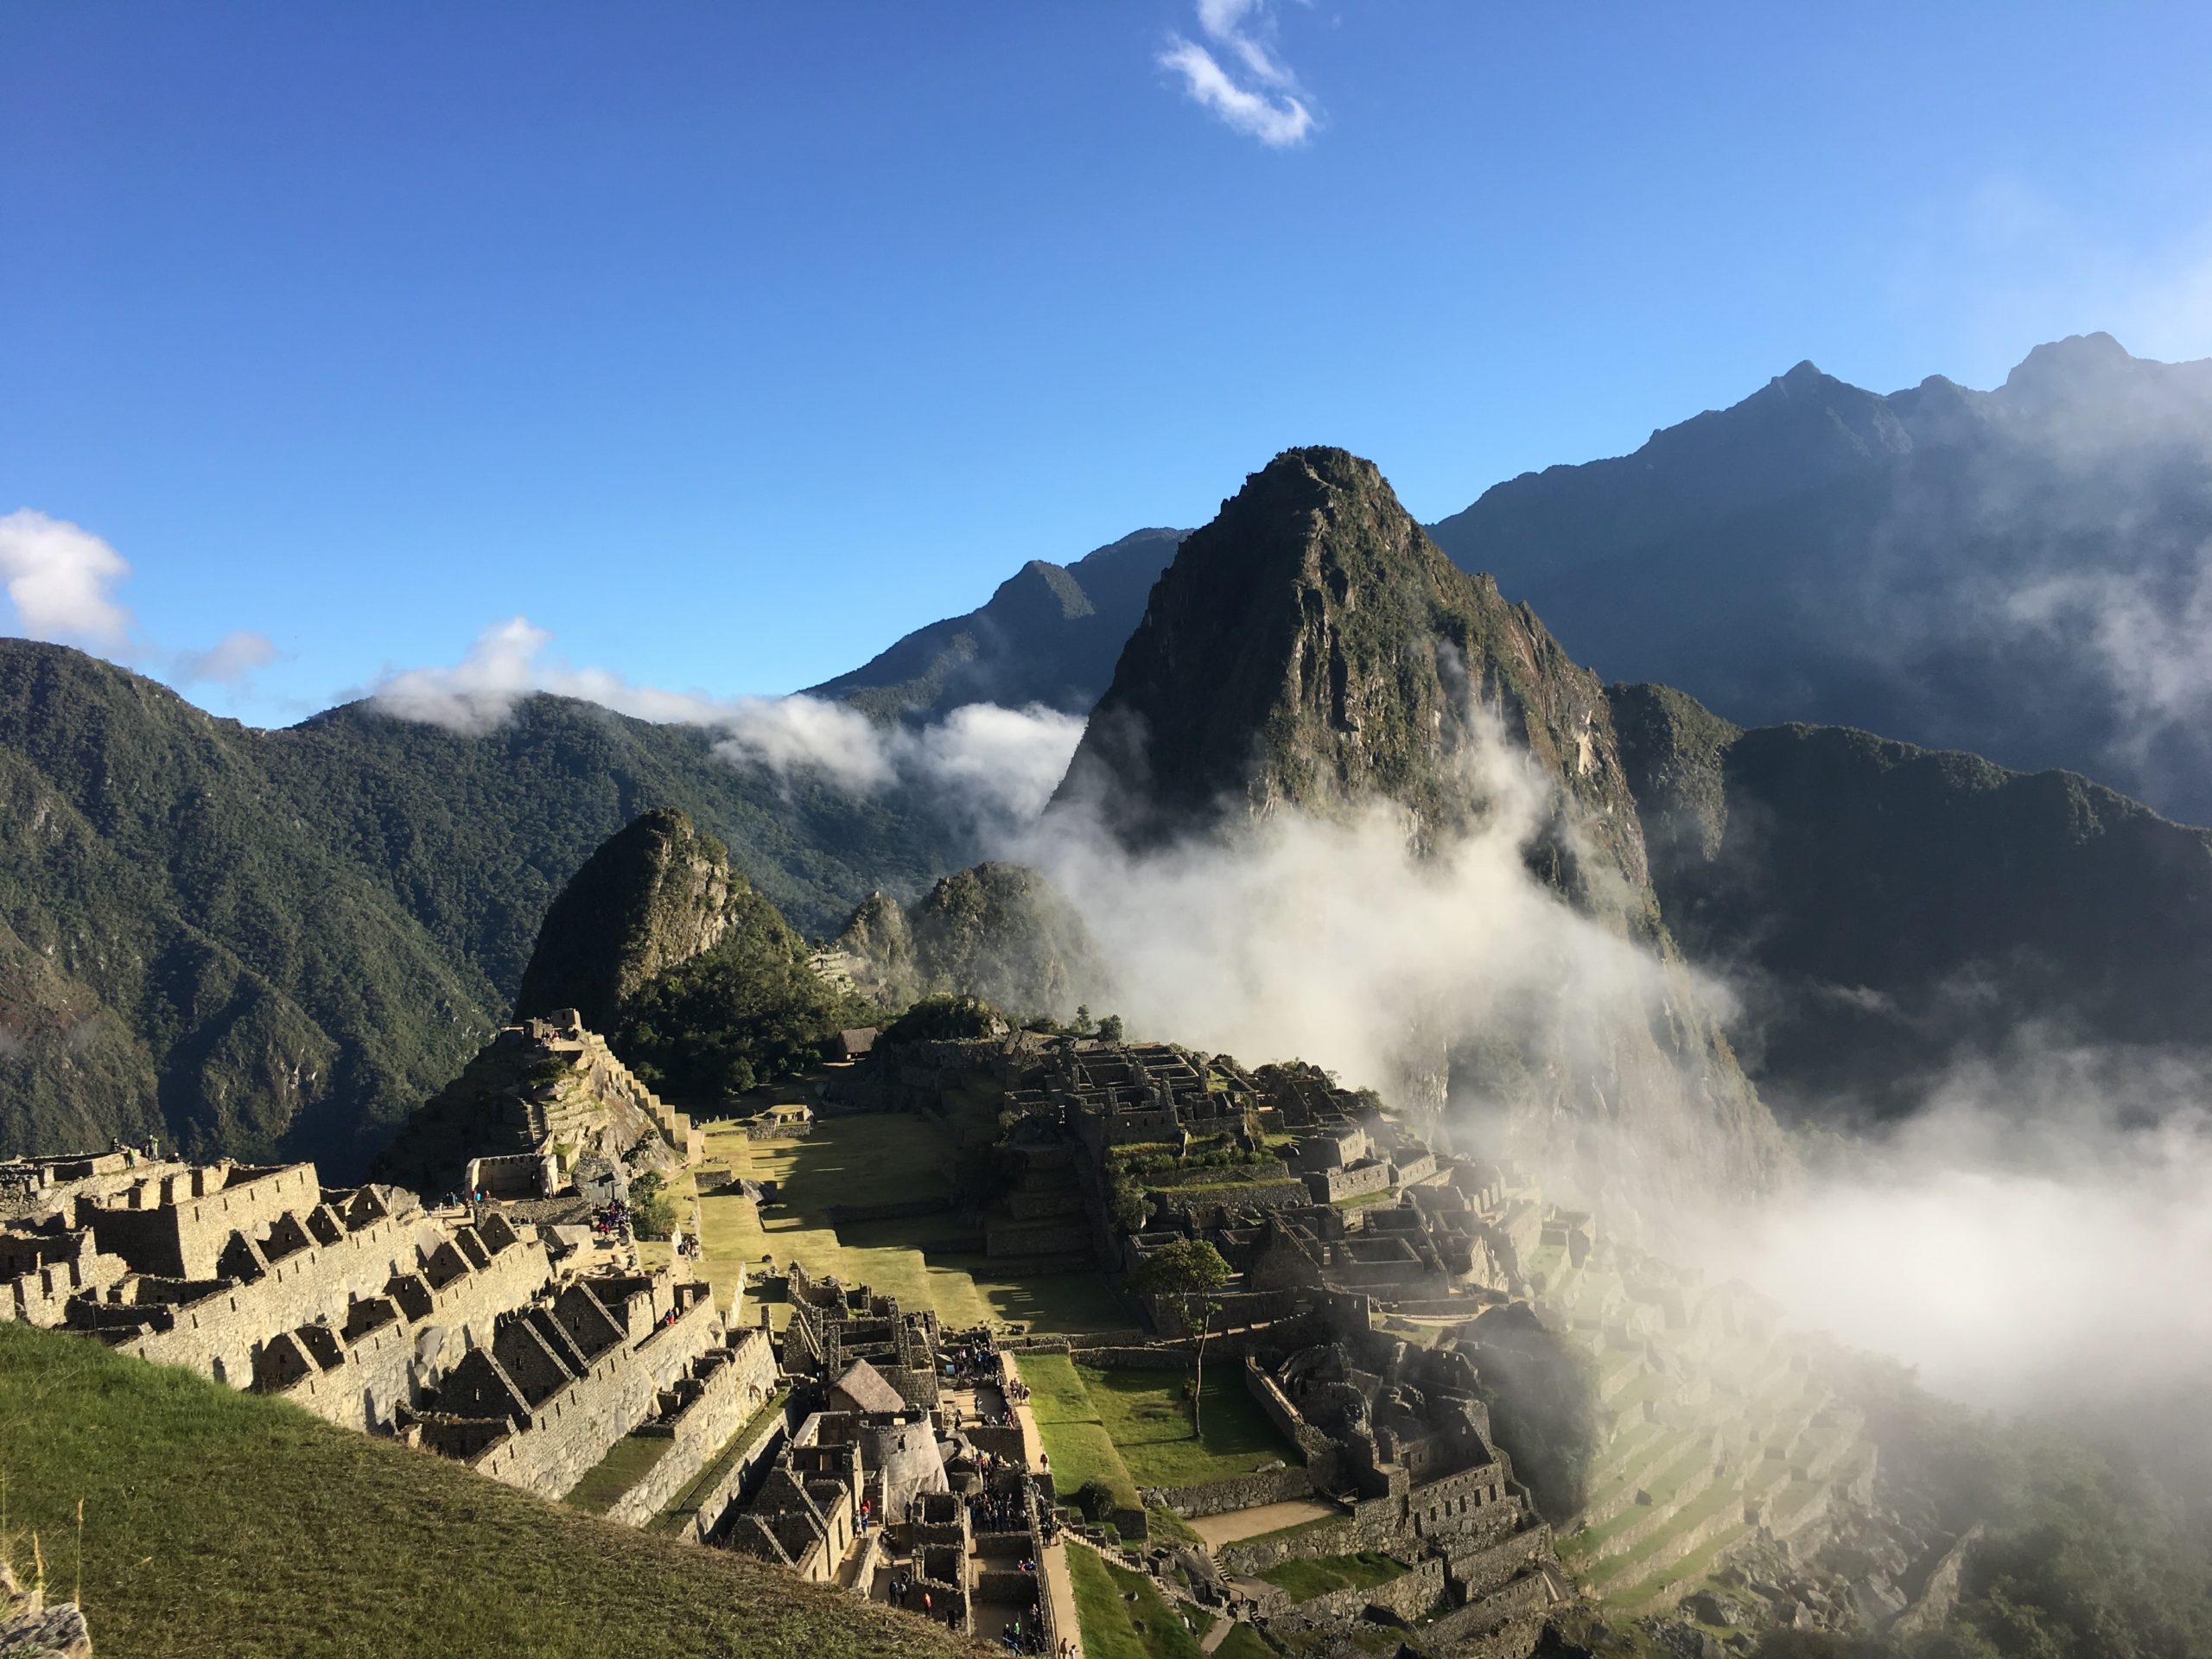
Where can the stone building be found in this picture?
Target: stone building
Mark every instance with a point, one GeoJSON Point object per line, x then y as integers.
{"type": "Point", "coordinates": [533, 1100]}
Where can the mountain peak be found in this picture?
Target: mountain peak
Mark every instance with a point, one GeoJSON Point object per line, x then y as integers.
{"type": "Point", "coordinates": [2059, 367]}
{"type": "Point", "coordinates": [1312, 648]}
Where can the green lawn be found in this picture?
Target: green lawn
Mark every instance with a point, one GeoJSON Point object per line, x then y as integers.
{"type": "Point", "coordinates": [1109, 1623]}
{"type": "Point", "coordinates": [1305, 1580]}
{"type": "Point", "coordinates": [1243, 1643]}
{"type": "Point", "coordinates": [1075, 1439]}
{"type": "Point", "coordinates": [221, 1525]}
{"type": "Point", "coordinates": [1146, 1414]}
{"type": "Point", "coordinates": [626, 1462]}
{"type": "Point", "coordinates": [925, 1261]}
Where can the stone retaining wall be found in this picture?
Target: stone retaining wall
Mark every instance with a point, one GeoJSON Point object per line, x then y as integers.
{"type": "Point", "coordinates": [571, 1431]}
{"type": "Point", "coordinates": [752, 1462]}
{"type": "Point", "coordinates": [731, 1392]}
{"type": "Point", "coordinates": [1410, 1595]}
{"type": "Point", "coordinates": [1247, 1492]}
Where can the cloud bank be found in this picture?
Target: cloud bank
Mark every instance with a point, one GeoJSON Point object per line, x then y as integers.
{"type": "Point", "coordinates": [2034, 1238]}
{"type": "Point", "coordinates": [1236, 75]}
{"type": "Point", "coordinates": [982, 767]}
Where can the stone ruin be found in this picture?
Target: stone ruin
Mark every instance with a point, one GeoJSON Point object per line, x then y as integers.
{"type": "Point", "coordinates": [511, 1348]}
{"type": "Point", "coordinates": [535, 1100]}
{"type": "Point", "coordinates": [1399, 1438]}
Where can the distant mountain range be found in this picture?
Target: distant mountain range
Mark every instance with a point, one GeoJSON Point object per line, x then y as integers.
{"type": "Point", "coordinates": [1049, 635]}
{"type": "Point", "coordinates": [254, 942]}
{"type": "Point", "coordinates": [2025, 573]}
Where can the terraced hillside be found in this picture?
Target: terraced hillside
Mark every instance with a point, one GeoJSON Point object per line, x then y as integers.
{"type": "Point", "coordinates": [1719, 1430]}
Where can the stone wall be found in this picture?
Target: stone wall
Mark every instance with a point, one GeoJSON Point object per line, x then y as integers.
{"type": "Point", "coordinates": [753, 1460]}
{"type": "Point", "coordinates": [1319, 1450]}
{"type": "Point", "coordinates": [1352, 1181]}
{"type": "Point", "coordinates": [565, 1435]}
{"type": "Point", "coordinates": [177, 1225]}
{"type": "Point", "coordinates": [730, 1394]}
{"type": "Point", "coordinates": [383, 1365]}
{"type": "Point", "coordinates": [1247, 1492]}
{"type": "Point", "coordinates": [1408, 1596]}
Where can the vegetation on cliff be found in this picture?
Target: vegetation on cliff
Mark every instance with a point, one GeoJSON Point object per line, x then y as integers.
{"type": "Point", "coordinates": [261, 943]}
{"type": "Point", "coordinates": [1899, 910]}
{"type": "Point", "coordinates": [998, 931]}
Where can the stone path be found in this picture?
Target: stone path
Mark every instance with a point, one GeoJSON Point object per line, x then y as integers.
{"type": "Point", "coordinates": [1217, 1635]}
{"type": "Point", "coordinates": [1227, 1528]}
{"type": "Point", "coordinates": [1057, 1584]}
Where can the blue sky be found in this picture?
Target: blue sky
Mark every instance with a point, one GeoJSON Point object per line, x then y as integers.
{"type": "Point", "coordinates": [727, 342]}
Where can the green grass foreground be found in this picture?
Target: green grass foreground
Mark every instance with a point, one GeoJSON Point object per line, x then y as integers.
{"type": "Point", "coordinates": [229, 1526]}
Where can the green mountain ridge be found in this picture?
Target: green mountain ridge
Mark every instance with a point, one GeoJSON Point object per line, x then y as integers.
{"type": "Point", "coordinates": [256, 944]}
{"type": "Point", "coordinates": [1900, 911]}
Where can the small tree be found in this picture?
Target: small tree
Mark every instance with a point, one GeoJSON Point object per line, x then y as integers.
{"type": "Point", "coordinates": [1081, 1024]}
{"type": "Point", "coordinates": [1109, 1028]}
{"type": "Point", "coordinates": [1188, 1273]}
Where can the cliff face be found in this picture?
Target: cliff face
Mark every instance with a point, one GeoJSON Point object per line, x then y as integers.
{"type": "Point", "coordinates": [1903, 910]}
{"type": "Point", "coordinates": [1312, 651]}
{"type": "Point", "coordinates": [1311, 648]}
{"type": "Point", "coordinates": [655, 894]}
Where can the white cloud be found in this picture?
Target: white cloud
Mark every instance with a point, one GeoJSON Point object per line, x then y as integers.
{"type": "Point", "coordinates": [1254, 91]}
{"type": "Point", "coordinates": [230, 661]}
{"type": "Point", "coordinates": [508, 663]}
{"type": "Point", "coordinates": [2029, 1239]}
{"type": "Point", "coordinates": [58, 578]}
{"type": "Point", "coordinates": [987, 768]}
{"type": "Point", "coordinates": [61, 579]}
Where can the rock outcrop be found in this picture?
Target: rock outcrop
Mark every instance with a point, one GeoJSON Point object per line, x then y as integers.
{"type": "Point", "coordinates": [1905, 911]}
{"type": "Point", "coordinates": [536, 1099]}
{"type": "Point", "coordinates": [656, 893]}
{"type": "Point", "coordinates": [998, 931]}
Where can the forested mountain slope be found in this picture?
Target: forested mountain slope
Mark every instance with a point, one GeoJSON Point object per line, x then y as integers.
{"type": "Point", "coordinates": [252, 942]}
{"type": "Point", "coordinates": [1892, 911]}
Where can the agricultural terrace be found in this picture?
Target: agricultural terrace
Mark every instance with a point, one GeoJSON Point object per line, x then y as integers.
{"type": "Point", "coordinates": [1128, 1429]}
{"type": "Point", "coordinates": [933, 1261]}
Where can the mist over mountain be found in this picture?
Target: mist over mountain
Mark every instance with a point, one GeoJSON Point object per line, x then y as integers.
{"type": "Point", "coordinates": [2025, 573]}
{"type": "Point", "coordinates": [1049, 635]}
{"type": "Point", "coordinates": [1320, 711]}
{"type": "Point", "coordinates": [1893, 913]}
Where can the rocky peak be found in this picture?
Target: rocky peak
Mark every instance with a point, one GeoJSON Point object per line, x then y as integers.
{"type": "Point", "coordinates": [656, 893]}
{"type": "Point", "coordinates": [1311, 648]}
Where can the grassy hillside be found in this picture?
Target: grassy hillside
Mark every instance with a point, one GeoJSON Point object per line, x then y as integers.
{"type": "Point", "coordinates": [262, 942]}
{"type": "Point", "coordinates": [224, 1524]}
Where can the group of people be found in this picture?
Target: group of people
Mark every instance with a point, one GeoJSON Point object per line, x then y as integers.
{"type": "Point", "coordinates": [920, 1599]}
{"type": "Point", "coordinates": [612, 1220]}
{"type": "Point", "coordinates": [996, 1512]}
